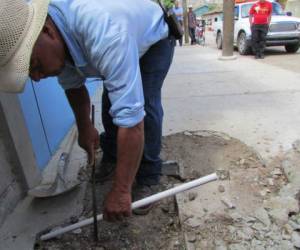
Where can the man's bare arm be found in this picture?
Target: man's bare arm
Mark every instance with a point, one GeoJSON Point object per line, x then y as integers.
{"type": "Point", "coordinates": [81, 105]}
{"type": "Point", "coordinates": [130, 149]}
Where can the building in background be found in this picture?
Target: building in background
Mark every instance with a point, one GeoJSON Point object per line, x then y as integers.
{"type": "Point", "coordinates": [212, 17]}
{"type": "Point", "coordinates": [199, 11]}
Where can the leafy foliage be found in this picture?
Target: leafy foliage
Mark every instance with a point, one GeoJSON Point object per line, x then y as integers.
{"type": "Point", "coordinates": [168, 3]}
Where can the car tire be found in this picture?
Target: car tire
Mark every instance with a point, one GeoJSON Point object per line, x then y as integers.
{"type": "Point", "coordinates": [243, 47]}
{"type": "Point", "coordinates": [292, 48]}
{"type": "Point", "coordinates": [219, 40]}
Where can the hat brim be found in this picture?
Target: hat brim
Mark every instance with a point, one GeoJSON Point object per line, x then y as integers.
{"type": "Point", "coordinates": [14, 74]}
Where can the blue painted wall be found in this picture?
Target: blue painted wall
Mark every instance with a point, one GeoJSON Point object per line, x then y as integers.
{"type": "Point", "coordinates": [48, 115]}
{"type": "Point", "coordinates": [34, 124]}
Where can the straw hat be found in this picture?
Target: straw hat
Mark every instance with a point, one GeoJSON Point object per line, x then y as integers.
{"type": "Point", "coordinates": [20, 26]}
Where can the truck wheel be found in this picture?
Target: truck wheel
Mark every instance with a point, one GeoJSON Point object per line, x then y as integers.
{"type": "Point", "coordinates": [243, 47]}
{"type": "Point", "coordinates": [292, 48]}
{"type": "Point", "coordinates": [219, 40]}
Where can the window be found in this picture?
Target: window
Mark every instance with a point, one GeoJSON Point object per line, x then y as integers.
{"type": "Point", "coordinates": [236, 11]}
{"type": "Point", "coordinates": [245, 10]}
{"type": "Point", "coordinates": [277, 10]}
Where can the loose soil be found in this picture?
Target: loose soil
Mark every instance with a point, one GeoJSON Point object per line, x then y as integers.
{"type": "Point", "coordinates": [197, 153]}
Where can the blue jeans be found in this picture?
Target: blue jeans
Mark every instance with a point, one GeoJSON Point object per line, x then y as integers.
{"type": "Point", "coordinates": [154, 66]}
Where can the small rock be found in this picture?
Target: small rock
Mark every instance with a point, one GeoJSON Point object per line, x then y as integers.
{"type": "Point", "coordinates": [296, 145]}
{"type": "Point", "coordinates": [188, 133]}
{"type": "Point", "coordinates": [165, 209]}
{"type": "Point", "coordinates": [296, 239]}
{"type": "Point", "coordinates": [281, 207]}
{"type": "Point", "coordinates": [250, 219]}
{"type": "Point", "coordinates": [258, 226]}
{"type": "Point", "coordinates": [77, 231]}
{"type": "Point", "coordinates": [219, 244]}
{"type": "Point", "coordinates": [287, 232]}
{"type": "Point", "coordinates": [193, 222]}
{"type": "Point", "coordinates": [279, 216]}
{"type": "Point", "coordinates": [192, 196]}
{"type": "Point", "coordinates": [228, 203]}
{"type": "Point", "coordinates": [242, 161]}
{"type": "Point", "coordinates": [274, 236]}
{"type": "Point", "coordinates": [242, 236]}
{"type": "Point", "coordinates": [262, 215]}
{"type": "Point", "coordinates": [235, 216]}
{"type": "Point", "coordinates": [248, 232]}
{"type": "Point", "coordinates": [223, 174]}
{"type": "Point", "coordinates": [231, 229]}
{"type": "Point", "coordinates": [270, 182]}
{"type": "Point", "coordinates": [263, 193]}
{"type": "Point", "coordinates": [221, 188]}
{"type": "Point", "coordinates": [295, 226]}
{"type": "Point", "coordinates": [285, 245]}
{"type": "Point", "coordinates": [276, 171]}
{"type": "Point", "coordinates": [74, 219]}
{"type": "Point", "coordinates": [256, 243]}
{"type": "Point", "coordinates": [171, 222]}
{"type": "Point", "coordinates": [191, 237]}
{"type": "Point", "coordinates": [99, 248]}
{"type": "Point", "coordinates": [176, 243]}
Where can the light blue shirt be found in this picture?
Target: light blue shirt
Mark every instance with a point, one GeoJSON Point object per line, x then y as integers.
{"type": "Point", "coordinates": [178, 12]}
{"type": "Point", "coordinates": [106, 38]}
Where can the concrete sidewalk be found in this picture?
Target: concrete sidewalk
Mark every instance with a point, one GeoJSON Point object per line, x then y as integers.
{"type": "Point", "coordinates": [245, 98]}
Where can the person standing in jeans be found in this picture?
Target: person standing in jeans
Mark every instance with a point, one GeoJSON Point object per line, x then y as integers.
{"type": "Point", "coordinates": [179, 14]}
{"type": "Point", "coordinates": [260, 16]}
{"type": "Point", "coordinates": [192, 22]}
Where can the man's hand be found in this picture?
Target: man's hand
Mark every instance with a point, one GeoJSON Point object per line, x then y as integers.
{"type": "Point", "coordinates": [88, 139]}
{"type": "Point", "coordinates": [117, 205]}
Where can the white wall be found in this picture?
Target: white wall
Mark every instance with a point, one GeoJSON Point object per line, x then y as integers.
{"type": "Point", "coordinates": [11, 190]}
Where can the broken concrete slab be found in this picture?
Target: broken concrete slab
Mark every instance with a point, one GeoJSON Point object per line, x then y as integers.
{"type": "Point", "coordinates": [212, 212]}
{"type": "Point", "coordinates": [279, 208]}
{"type": "Point", "coordinates": [262, 215]}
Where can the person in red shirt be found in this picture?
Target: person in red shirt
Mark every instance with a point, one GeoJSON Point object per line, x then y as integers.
{"type": "Point", "coordinates": [260, 16]}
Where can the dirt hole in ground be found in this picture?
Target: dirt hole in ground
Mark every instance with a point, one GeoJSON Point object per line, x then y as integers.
{"type": "Point", "coordinates": [197, 153]}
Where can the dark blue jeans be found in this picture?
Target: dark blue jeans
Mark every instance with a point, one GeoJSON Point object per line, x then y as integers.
{"type": "Point", "coordinates": [154, 66]}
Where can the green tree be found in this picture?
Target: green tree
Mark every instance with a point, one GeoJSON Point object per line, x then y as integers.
{"type": "Point", "coordinates": [168, 3]}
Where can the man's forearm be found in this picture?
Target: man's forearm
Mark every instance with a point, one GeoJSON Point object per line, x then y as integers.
{"type": "Point", "coordinates": [80, 103]}
{"type": "Point", "coordinates": [130, 149]}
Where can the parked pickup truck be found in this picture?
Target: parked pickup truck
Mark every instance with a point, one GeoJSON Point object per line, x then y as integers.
{"type": "Point", "coordinates": [284, 30]}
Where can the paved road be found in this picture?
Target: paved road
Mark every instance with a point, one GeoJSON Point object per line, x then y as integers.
{"type": "Point", "coordinates": [257, 101]}
{"type": "Point", "coordinates": [276, 56]}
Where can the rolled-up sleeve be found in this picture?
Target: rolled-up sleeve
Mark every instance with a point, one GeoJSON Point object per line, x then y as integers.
{"type": "Point", "coordinates": [120, 66]}
{"type": "Point", "coordinates": [116, 57]}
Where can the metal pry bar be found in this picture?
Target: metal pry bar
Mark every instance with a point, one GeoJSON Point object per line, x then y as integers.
{"type": "Point", "coordinates": [94, 187]}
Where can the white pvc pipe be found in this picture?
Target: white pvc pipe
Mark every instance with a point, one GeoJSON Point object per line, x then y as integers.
{"type": "Point", "coordinates": [137, 204]}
